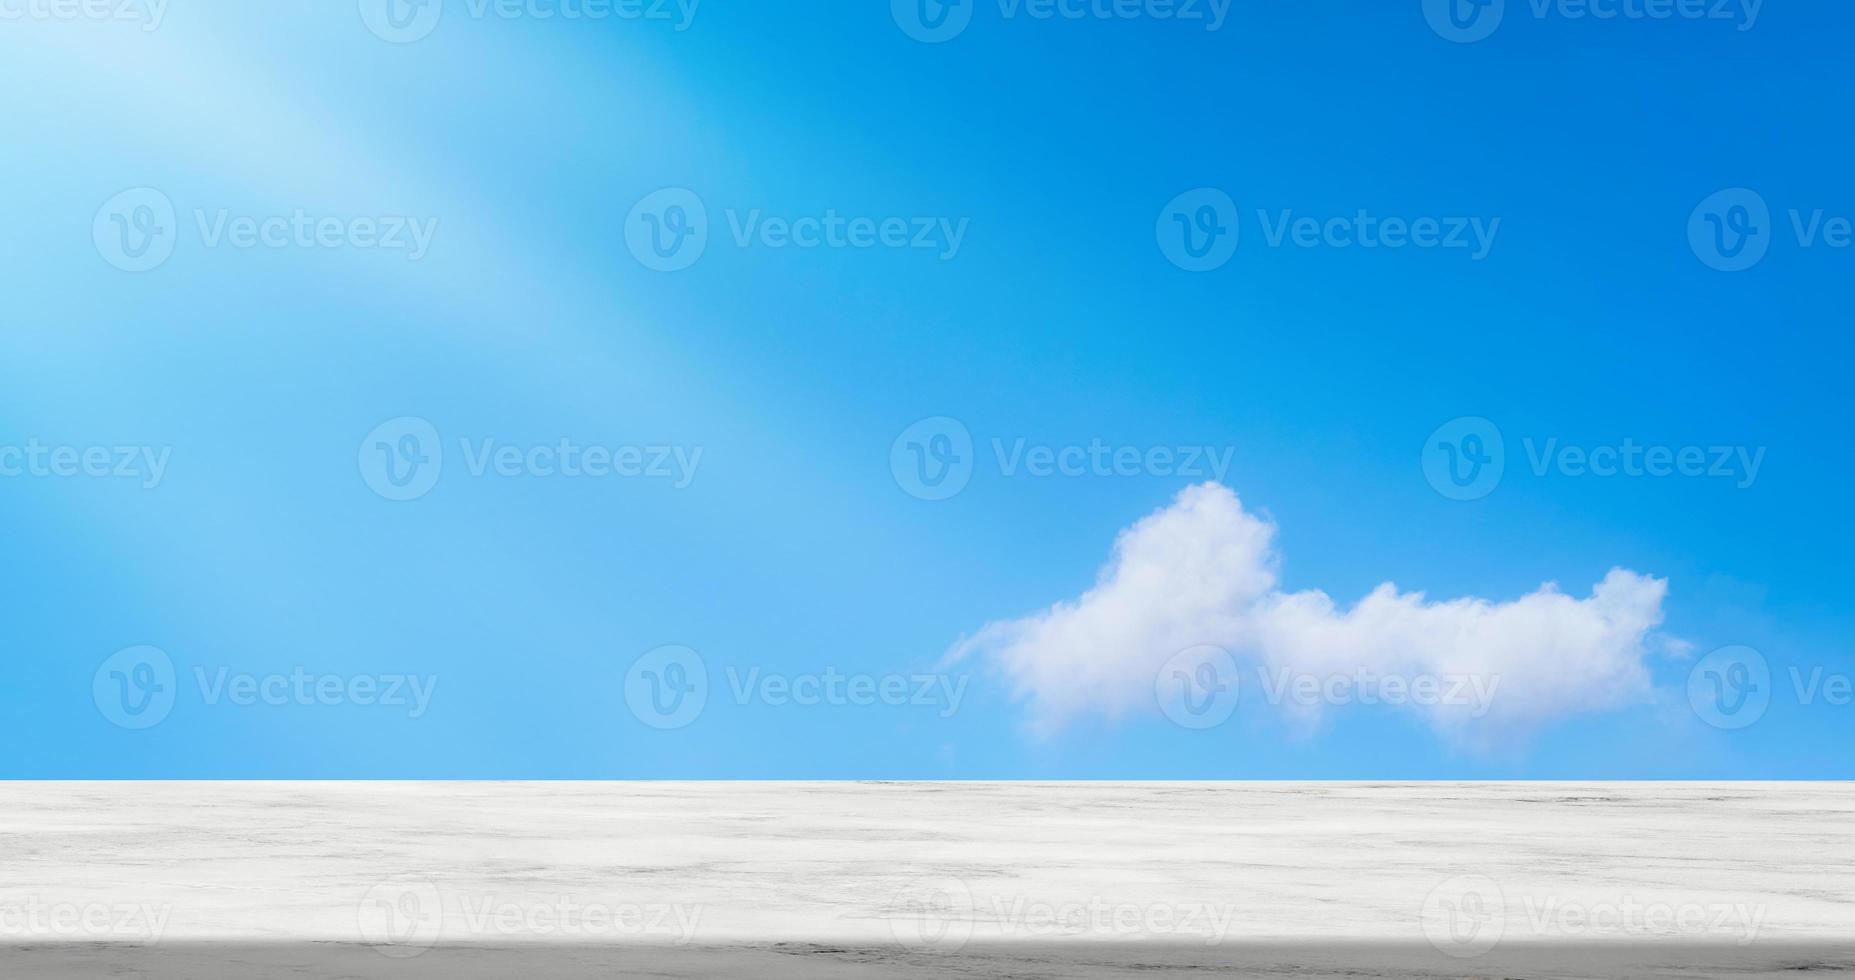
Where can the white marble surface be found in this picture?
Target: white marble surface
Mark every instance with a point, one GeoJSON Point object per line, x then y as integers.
{"type": "Point", "coordinates": [412, 869]}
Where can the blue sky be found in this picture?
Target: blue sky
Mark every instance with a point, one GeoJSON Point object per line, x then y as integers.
{"type": "Point", "coordinates": [485, 280]}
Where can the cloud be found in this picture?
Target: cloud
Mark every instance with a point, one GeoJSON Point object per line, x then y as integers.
{"type": "Point", "coordinates": [1204, 572]}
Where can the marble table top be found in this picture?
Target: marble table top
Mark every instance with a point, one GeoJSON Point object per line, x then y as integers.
{"type": "Point", "coordinates": [982, 879]}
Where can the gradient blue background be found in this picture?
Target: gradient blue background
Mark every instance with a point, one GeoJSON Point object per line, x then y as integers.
{"type": "Point", "coordinates": [1060, 321]}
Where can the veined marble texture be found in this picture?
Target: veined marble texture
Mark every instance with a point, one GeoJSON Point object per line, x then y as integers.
{"type": "Point", "coordinates": [929, 879]}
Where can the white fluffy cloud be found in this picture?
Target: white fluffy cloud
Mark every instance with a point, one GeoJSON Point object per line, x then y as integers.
{"type": "Point", "coordinates": [1203, 571]}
